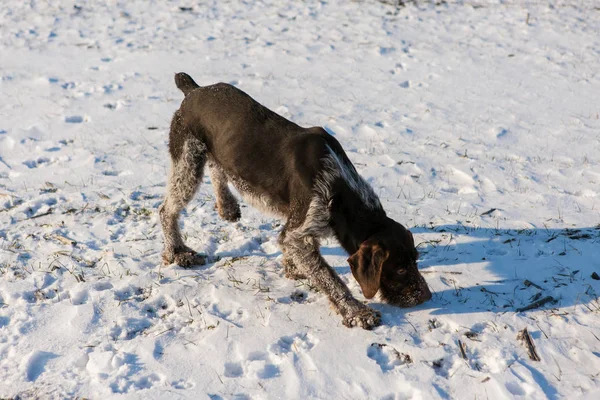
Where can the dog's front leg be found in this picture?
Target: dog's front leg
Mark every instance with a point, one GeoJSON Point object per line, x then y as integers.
{"type": "Point", "coordinates": [303, 251]}
{"type": "Point", "coordinates": [291, 270]}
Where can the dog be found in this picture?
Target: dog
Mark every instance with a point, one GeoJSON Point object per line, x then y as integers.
{"type": "Point", "coordinates": [300, 174]}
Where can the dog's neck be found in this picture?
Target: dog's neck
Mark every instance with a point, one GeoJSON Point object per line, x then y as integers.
{"type": "Point", "coordinates": [353, 222]}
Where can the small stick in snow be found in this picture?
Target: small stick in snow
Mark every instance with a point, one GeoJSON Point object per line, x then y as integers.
{"type": "Point", "coordinates": [463, 353]}
{"type": "Point", "coordinates": [526, 337]}
{"type": "Point", "coordinates": [537, 303]}
{"type": "Point", "coordinates": [528, 283]}
{"type": "Point", "coordinates": [488, 212]}
{"type": "Point", "coordinates": [442, 272]}
{"type": "Point", "coordinates": [50, 211]}
{"type": "Point", "coordinates": [63, 239]}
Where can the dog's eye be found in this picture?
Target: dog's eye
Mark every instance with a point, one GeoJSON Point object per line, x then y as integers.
{"type": "Point", "coordinates": [401, 272]}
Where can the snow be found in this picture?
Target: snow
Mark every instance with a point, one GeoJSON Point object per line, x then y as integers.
{"type": "Point", "coordinates": [476, 123]}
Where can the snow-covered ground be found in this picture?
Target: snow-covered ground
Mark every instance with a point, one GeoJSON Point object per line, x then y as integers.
{"type": "Point", "coordinates": [476, 123]}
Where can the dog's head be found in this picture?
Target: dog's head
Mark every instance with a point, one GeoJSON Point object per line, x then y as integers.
{"type": "Point", "coordinates": [387, 262]}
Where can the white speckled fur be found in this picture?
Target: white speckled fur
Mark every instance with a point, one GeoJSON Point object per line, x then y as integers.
{"type": "Point", "coordinates": [301, 245]}
{"type": "Point", "coordinates": [299, 240]}
{"type": "Point", "coordinates": [184, 178]}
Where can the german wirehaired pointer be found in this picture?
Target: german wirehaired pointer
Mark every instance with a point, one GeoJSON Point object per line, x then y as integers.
{"type": "Point", "coordinates": [300, 174]}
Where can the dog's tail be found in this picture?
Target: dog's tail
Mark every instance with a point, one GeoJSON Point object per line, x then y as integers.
{"type": "Point", "coordinates": [185, 83]}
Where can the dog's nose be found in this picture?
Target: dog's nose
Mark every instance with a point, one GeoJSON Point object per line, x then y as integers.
{"type": "Point", "coordinates": [425, 294]}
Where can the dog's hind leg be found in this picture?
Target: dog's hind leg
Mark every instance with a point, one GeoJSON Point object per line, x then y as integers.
{"type": "Point", "coordinates": [227, 205]}
{"type": "Point", "coordinates": [188, 157]}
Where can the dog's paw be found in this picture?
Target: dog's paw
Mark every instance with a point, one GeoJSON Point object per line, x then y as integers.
{"type": "Point", "coordinates": [189, 259]}
{"type": "Point", "coordinates": [231, 213]}
{"type": "Point", "coordinates": [184, 259]}
{"type": "Point", "coordinates": [366, 318]}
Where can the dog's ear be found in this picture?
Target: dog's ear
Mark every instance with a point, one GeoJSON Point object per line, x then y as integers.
{"type": "Point", "coordinates": [366, 265]}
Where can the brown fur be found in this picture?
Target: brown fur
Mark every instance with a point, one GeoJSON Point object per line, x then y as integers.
{"type": "Point", "coordinates": [300, 174]}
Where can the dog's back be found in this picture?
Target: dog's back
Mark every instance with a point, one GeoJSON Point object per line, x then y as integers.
{"type": "Point", "coordinates": [262, 152]}
{"type": "Point", "coordinates": [222, 107]}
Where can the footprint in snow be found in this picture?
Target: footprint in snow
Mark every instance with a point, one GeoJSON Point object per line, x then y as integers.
{"type": "Point", "coordinates": [233, 370]}
{"type": "Point", "coordinates": [79, 297]}
{"type": "Point", "coordinates": [387, 357]}
{"type": "Point", "coordinates": [265, 364]}
{"type": "Point", "coordinates": [295, 349]}
{"type": "Point", "coordinates": [35, 365]}
{"type": "Point", "coordinates": [74, 119]}
{"type": "Point", "coordinates": [441, 366]}
{"type": "Point", "coordinates": [261, 365]}
{"type": "Point", "coordinates": [125, 371]}
{"type": "Point", "coordinates": [182, 384]}
{"type": "Point", "coordinates": [298, 342]}
{"type": "Point", "coordinates": [37, 162]}
{"type": "Point", "coordinates": [126, 385]}
{"type": "Point", "coordinates": [502, 132]}
{"type": "Point", "coordinates": [101, 286]}
{"type": "Point", "coordinates": [129, 328]}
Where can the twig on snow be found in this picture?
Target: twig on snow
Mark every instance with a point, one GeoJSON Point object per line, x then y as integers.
{"type": "Point", "coordinates": [463, 353]}
{"type": "Point", "coordinates": [537, 303]}
{"type": "Point", "coordinates": [526, 338]}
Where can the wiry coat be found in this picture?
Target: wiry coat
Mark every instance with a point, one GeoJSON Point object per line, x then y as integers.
{"type": "Point", "coordinates": [300, 174]}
